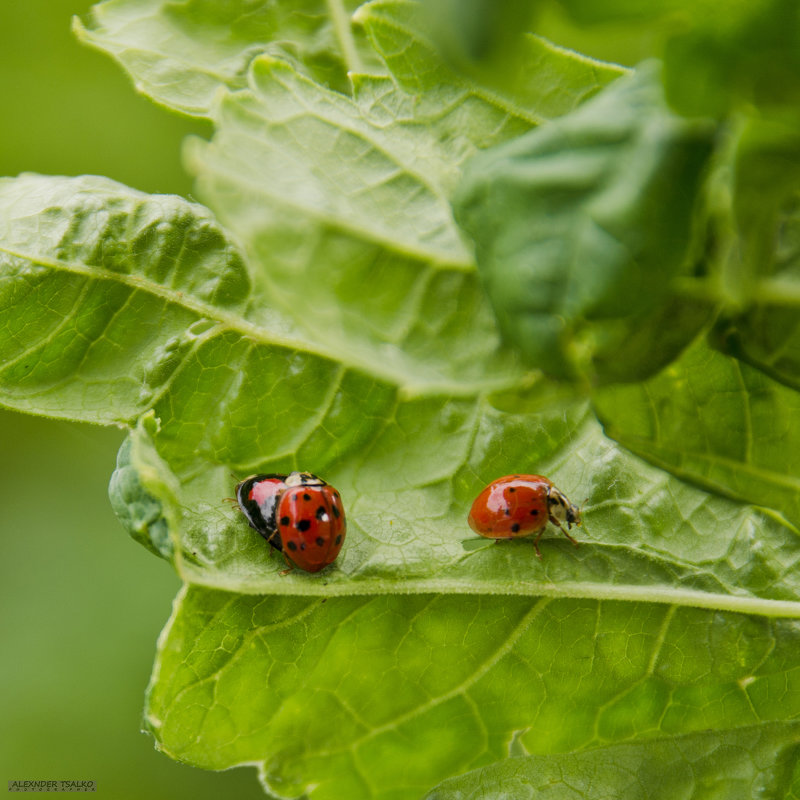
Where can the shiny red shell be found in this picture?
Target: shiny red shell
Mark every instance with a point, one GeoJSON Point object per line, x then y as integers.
{"type": "Point", "coordinates": [299, 514]}
{"type": "Point", "coordinates": [311, 525]}
{"type": "Point", "coordinates": [521, 505]}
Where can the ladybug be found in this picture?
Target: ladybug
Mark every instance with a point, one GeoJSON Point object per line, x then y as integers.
{"type": "Point", "coordinates": [299, 514]}
{"type": "Point", "coordinates": [522, 505]}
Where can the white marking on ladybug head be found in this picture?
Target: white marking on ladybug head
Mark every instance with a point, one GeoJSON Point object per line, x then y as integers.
{"type": "Point", "coordinates": [303, 479]}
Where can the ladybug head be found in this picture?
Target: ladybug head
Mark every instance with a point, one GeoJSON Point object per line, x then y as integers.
{"type": "Point", "coordinates": [303, 479]}
{"type": "Point", "coordinates": [562, 509]}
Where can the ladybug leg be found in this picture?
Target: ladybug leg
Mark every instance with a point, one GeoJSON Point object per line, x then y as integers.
{"type": "Point", "coordinates": [536, 544]}
{"type": "Point", "coordinates": [562, 529]}
{"type": "Point", "coordinates": [272, 539]}
{"type": "Point", "coordinates": [289, 565]}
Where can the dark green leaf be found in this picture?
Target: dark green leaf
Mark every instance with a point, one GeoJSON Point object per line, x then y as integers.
{"type": "Point", "coordinates": [766, 331]}
{"type": "Point", "coordinates": [750, 55]}
{"type": "Point", "coordinates": [754, 761]}
{"type": "Point", "coordinates": [582, 226]}
{"type": "Point", "coordinates": [716, 60]}
{"type": "Point", "coordinates": [715, 421]}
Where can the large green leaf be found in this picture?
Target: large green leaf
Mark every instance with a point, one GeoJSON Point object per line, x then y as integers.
{"type": "Point", "coordinates": [231, 388]}
{"type": "Point", "coordinates": [182, 54]}
{"type": "Point", "coordinates": [381, 697]}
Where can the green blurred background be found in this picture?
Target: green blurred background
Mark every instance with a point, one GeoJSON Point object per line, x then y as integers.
{"type": "Point", "coordinates": [82, 603]}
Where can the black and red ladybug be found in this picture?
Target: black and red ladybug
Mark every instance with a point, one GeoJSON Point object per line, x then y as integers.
{"type": "Point", "coordinates": [522, 505]}
{"type": "Point", "coordinates": [299, 514]}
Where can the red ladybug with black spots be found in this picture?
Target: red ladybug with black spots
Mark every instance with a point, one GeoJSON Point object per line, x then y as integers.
{"type": "Point", "coordinates": [522, 505]}
{"type": "Point", "coordinates": [299, 514]}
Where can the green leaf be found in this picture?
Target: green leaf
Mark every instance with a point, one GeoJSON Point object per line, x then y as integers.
{"type": "Point", "coordinates": [760, 323]}
{"type": "Point", "coordinates": [749, 56]}
{"type": "Point", "coordinates": [104, 291]}
{"type": "Point", "coordinates": [757, 761]}
{"type": "Point", "coordinates": [716, 422]}
{"type": "Point", "coordinates": [181, 54]}
{"type": "Point", "coordinates": [543, 82]}
{"type": "Point", "coordinates": [381, 697]}
{"type": "Point", "coordinates": [143, 491]}
{"type": "Point", "coordinates": [766, 333]}
{"type": "Point", "coordinates": [581, 228]}
{"type": "Point", "coordinates": [348, 199]}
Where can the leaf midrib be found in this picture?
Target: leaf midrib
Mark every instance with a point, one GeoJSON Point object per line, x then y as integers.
{"type": "Point", "coordinates": [664, 595]}
{"type": "Point", "coordinates": [410, 384]}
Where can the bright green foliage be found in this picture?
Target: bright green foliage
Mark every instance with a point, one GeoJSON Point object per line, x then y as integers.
{"type": "Point", "coordinates": [330, 316]}
{"type": "Point", "coordinates": [442, 684]}
{"type": "Point", "coordinates": [104, 291]}
{"type": "Point", "coordinates": [180, 54]}
{"type": "Point", "coordinates": [539, 81]}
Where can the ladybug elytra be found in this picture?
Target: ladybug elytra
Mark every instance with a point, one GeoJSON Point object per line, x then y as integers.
{"type": "Point", "coordinates": [522, 505]}
{"type": "Point", "coordinates": [298, 514]}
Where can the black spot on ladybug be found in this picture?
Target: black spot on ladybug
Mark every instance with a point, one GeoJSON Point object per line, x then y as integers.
{"type": "Point", "coordinates": [507, 512]}
{"type": "Point", "coordinates": [306, 497]}
{"type": "Point", "coordinates": [515, 527]}
{"type": "Point", "coordinates": [302, 545]}
{"type": "Point", "coordinates": [512, 489]}
{"type": "Point", "coordinates": [303, 525]}
{"type": "Point", "coordinates": [336, 512]}
{"type": "Point", "coordinates": [292, 545]}
{"type": "Point", "coordinates": [320, 541]}
{"type": "Point", "coordinates": [339, 539]}
{"type": "Point", "coordinates": [321, 514]}
{"type": "Point", "coordinates": [534, 512]}
{"type": "Point", "coordinates": [285, 520]}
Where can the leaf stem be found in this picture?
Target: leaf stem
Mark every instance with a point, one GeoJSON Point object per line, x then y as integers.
{"type": "Point", "coordinates": [344, 33]}
{"type": "Point", "coordinates": [778, 292]}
